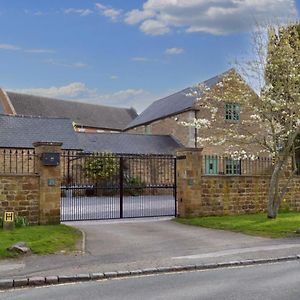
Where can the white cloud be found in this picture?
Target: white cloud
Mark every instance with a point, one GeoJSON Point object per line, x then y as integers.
{"type": "Point", "coordinates": [78, 65]}
{"type": "Point", "coordinates": [109, 12]}
{"type": "Point", "coordinates": [174, 51]}
{"type": "Point", "coordinates": [154, 27]}
{"type": "Point", "coordinates": [34, 13]}
{"type": "Point", "coordinates": [136, 16]}
{"type": "Point", "coordinates": [140, 58]}
{"type": "Point", "coordinates": [66, 64]}
{"type": "Point", "coordinates": [71, 90]}
{"type": "Point", "coordinates": [38, 13]}
{"type": "Point", "coordinates": [158, 17]}
{"type": "Point", "coordinates": [34, 50]}
{"type": "Point", "coordinates": [113, 77]}
{"type": "Point", "coordinates": [83, 12]}
{"type": "Point", "coordinates": [136, 98]}
{"type": "Point", "coordinates": [40, 51]}
{"type": "Point", "coordinates": [78, 91]}
{"type": "Point", "coordinates": [9, 47]}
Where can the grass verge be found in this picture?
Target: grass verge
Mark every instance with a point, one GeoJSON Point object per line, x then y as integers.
{"type": "Point", "coordinates": [255, 224]}
{"type": "Point", "coordinates": [41, 239]}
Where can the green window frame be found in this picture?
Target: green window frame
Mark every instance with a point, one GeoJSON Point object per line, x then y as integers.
{"type": "Point", "coordinates": [232, 166]}
{"type": "Point", "coordinates": [211, 165]}
{"type": "Point", "coordinates": [232, 112]}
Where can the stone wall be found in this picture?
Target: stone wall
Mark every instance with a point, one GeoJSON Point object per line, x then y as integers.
{"type": "Point", "coordinates": [200, 195]}
{"type": "Point", "coordinates": [34, 191]}
{"type": "Point", "coordinates": [20, 193]}
{"type": "Point", "coordinates": [170, 125]}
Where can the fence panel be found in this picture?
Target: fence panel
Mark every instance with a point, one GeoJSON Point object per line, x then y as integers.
{"type": "Point", "coordinates": [228, 166]}
{"type": "Point", "coordinates": [17, 161]}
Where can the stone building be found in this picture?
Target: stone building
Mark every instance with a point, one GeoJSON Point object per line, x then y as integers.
{"type": "Point", "coordinates": [165, 115]}
{"type": "Point", "coordinates": [86, 117]}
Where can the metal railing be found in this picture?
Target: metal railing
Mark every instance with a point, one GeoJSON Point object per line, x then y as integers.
{"type": "Point", "coordinates": [228, 166]}
{"type": "Point", "coordinates": [17, 161]}
{"type": "Point", "coordinates": [107, 186]}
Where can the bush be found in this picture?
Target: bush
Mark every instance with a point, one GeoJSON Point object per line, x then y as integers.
{"type": "Point", "coordinates": [133, 186]}
{"type": "Point", "coordinates": [21, 222]}
{"type": "Point", "coordinates": [101, 168]}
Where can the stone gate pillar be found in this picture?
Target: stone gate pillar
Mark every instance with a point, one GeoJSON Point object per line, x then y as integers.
{"type": "Point", "coordinates": [189, 171]}
{"type": "Point", "coordinates": [49, 169]}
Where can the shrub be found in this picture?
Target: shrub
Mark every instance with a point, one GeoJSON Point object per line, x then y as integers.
{"type": "Point", "coordinates": [101, 168]}
{"type": "Point", "coordinates": [133, 186]}
{"type": "Point", "coordinates": [21, 221]}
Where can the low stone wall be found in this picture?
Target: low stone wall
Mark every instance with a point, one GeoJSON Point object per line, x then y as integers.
{"type": "Point", "coordinates": [21, 194]}
{"type": "Point", "coordinates": [222, 195]}
{"type": "Point", "coordinates": [201, 195]}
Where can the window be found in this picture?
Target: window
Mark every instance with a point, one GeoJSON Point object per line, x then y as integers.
{"type": "Point", "coordinates": [217, 165]}
{"type": "Point", "coordinates": [232, 166]}
{"type": "Point", "coordinates": [232, 112]}
{"type": "Point", "coordinates": [148, 129]}
{"type": "Point", "coordinates": [211, 165]}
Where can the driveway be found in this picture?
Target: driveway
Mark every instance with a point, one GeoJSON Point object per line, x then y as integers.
{"type": "Point", "coordinates": [93, 208]}
{"type": "Point", "coordinates": [143, 243]}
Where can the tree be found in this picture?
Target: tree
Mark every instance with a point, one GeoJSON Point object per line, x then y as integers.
{"type": "Point", "coordinates": [274, 126]}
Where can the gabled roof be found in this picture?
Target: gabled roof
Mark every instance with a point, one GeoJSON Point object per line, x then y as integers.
{"type": "Point", "coordinates": [21, 132]}
{"type": "Point", "coordinates": [173, 104]}
{"type": "Point", "coordinates": [88, 115]}
{"type": "Point", "coordinates": [127, 143]}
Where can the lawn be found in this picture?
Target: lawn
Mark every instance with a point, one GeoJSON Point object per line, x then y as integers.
{"type": "Point", "coordinates": [255, 224]}
{"type": "Point", "coordinates": [41, 239]}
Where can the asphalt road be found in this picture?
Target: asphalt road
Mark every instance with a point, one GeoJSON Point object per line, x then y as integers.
{"type": "Point", "coordinates": [145, 243]}
{"type": "Point", "coordinates": [272, 281]}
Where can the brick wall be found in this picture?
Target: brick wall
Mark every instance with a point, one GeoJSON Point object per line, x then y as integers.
{"type": "Point", "coordinates": [20, 193]}
{"type": "Point", "coordinates": [200, 195]}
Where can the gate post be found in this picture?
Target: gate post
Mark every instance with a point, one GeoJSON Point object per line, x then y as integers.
{"type": "Point", "coordinates": [121, 185]}
{"type": "Point", "coordinates": [189, 171]}
{"type": "Point", "coordinates": [47, 165]}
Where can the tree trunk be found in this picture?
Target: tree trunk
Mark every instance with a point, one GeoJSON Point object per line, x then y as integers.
{"type": "Point", "coordinates": [274, 195]}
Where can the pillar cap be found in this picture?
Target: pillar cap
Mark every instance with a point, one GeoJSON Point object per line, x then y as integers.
{"type": "Point", "coordinates": [38, 144]}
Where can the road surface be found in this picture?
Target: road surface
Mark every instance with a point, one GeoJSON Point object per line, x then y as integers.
{"type": "Point", "coordinates": [271, 281]}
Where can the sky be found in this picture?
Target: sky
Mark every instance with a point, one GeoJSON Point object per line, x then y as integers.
{"type": "Point", "coordinates": [125, 53]}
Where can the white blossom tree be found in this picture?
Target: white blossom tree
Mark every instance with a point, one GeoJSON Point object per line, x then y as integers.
{"type": "Point", "coordinates": [274, 125]}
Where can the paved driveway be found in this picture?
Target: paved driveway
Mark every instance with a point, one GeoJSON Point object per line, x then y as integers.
{"type": "Point", "coordinates": [89, 208]}
{"type": "Point", "coordinates": [133, 244]}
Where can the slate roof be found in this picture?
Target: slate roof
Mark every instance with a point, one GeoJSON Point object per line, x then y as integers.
{"type": "Point", "coordinates": [173, 104]}
{"type": "Point", "coordinates": [21, 132]}
{"type": "Point", "coordinates": [89, 115]}
{"type": "Point", "coordinates": [127, 143]}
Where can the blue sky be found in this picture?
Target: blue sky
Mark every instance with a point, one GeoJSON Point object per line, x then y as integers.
{"type": "Point", "coordinates": [124, 53]}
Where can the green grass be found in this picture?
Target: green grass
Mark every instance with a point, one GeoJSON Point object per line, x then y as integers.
{"type": "Point", "coordinates": [41, 239]}
{"type": "Point", "coordinates": [255, 224]}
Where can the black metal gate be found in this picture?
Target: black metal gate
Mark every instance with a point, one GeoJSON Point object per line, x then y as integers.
{"type": "Point", "coordinates": [110, 186]}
